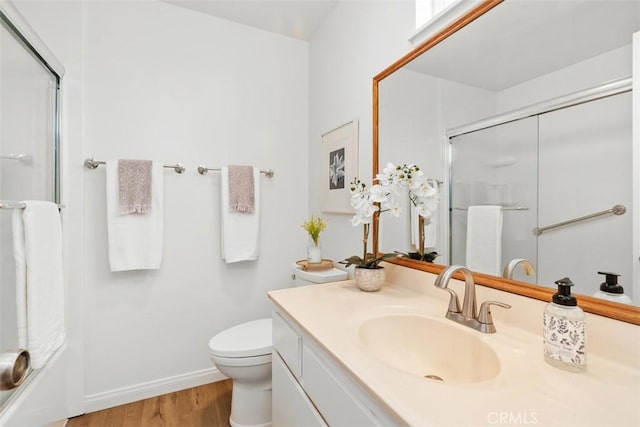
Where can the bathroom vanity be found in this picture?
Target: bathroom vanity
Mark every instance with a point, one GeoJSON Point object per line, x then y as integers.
{"type": "Point", "coordinates": [346, 357]}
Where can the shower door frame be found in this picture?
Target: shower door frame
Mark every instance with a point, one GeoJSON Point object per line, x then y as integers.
{"type": "Point", "coordinates": [36, 407]}
{"type": "Point", "coordinates": [604, 90]}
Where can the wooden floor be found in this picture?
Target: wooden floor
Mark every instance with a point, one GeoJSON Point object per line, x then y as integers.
{"type": "Point", "coordinates": [205, 406]}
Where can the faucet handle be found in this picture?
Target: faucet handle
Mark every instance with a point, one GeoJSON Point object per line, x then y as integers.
{"type": "Point", "coordinates": [454, 302]}
{"type": "Point", "coordinates": [484, 316]}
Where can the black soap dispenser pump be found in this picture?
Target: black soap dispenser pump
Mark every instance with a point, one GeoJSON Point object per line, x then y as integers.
{"type": "Point", "coordinates": [611, 290]}
{"type": "Point", "coordinates": [564, 332]}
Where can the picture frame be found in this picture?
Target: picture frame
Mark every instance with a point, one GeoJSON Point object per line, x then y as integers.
{"type": "Point", "coordinates": [339, 166]}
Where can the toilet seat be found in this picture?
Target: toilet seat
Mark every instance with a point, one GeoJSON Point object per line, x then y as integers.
{"type": "Point", "coordinates": [246, 340]}
{"type": "Point", "coordinates": [263, 359]}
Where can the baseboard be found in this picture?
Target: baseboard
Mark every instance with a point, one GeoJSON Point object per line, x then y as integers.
{"type": "Point", "coordinates": [120, 396]}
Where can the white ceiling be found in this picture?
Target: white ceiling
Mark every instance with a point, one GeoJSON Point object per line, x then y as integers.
{"type": "Point", "coordinates": [291, 18]}
{"type": "Point", "coordinates": [521, 40]}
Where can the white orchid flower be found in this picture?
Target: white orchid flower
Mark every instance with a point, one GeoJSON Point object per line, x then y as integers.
{"type": "Point", "coordinates": [417, 180]}
{"type": "Point", "coordinates": [425, 190]}
{"type": "Point", "coordinates": [431, 203]}
{"type": "Point", "coordinates": [377, 193]}
{"type": "Point", "coordinates": [423, 211]}
{"type": "Point", "coordinates": [358, 200]}
{"type": "Point", "coordinates": [387, 176]}
{"type": "Point", "coordinates": [395, 210]}
{"type": "Point", "coordinates": [357, 220]}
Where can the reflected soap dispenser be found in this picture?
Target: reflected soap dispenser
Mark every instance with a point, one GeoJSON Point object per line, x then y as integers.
{"type": "Point", "coordinates": [564, 334]}
{"type": "Point", "coordinates": [611, 290]}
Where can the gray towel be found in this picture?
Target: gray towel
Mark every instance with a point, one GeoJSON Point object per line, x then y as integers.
{"type": "Point", "coordinates": [241, 190]}
{"type": "Point", "coordinates": [134, 180]}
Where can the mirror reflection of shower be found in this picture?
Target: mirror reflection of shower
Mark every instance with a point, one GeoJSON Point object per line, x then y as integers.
{"type": "Point", "coordinates": [545, 172]}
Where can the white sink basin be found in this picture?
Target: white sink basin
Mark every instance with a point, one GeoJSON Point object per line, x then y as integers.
{"type": "Point", "coordinates": [429, 348]}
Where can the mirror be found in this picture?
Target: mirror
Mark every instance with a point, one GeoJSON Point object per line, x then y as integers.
{"type": "Point", "coordinates": [514, 105]}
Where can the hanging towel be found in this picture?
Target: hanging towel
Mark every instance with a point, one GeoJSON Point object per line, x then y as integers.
{"type": "Point", "coordinates": [135, 241]}
{"type": "Point", "coordinates": [484, 239]}
{"type": "Point", "coordinates": [431, 231]}
{"type": "Point", "coordinates": [37, 247]}
{"type": "Point", "coordinates": [241, 189]}
{"type": "Point", "coordinates": [239, 231]}
{"type": "Point", "coordinates": [134, 185]}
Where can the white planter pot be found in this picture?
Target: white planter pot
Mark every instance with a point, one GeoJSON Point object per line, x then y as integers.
{"type": "Point", "coordinates": [370, 279]}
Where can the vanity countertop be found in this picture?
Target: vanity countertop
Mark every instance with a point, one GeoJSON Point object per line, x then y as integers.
{"type": "Point", "coordinates": [526, 391]}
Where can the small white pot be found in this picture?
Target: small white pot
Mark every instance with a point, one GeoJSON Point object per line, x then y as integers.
{"type": "Point", "coordinates": [370, 279]}
{"type": "Point", "coordinates": [314, 254]}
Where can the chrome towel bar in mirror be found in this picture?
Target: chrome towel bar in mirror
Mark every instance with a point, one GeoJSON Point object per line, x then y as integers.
{"type": "Point", "coordinates": [616, 210]}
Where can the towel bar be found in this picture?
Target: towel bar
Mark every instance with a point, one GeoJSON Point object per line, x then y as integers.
{"type": "Point", "coordinates": [25, 159]}
{"type": "Point", "coordinates": [615, 210]}
{"type": "Point", "coordinates": [92, 163]}
{"type": "Point", "coordinates": [504, 208]}
{"type": "Point", "coordinates": [5, 204]}
{"type": "Point", "coordinates": [202, 170]}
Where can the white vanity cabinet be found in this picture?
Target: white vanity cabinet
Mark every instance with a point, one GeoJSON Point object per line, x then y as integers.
{"type": "Point", "coordinates": [309, 389]}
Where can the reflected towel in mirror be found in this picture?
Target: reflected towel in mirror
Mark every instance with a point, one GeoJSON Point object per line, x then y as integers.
{"type": "Point", "coordinates": [484, 239]}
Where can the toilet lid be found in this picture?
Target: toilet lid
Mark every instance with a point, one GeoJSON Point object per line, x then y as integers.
{"type": "Point", "coordinates": [244, 340]}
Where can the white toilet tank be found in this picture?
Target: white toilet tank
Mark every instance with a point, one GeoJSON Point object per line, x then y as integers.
{"type": "Point", "coordinates": [304, 278]}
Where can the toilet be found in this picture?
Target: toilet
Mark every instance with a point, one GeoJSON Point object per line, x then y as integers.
{"type": "Point", "coordinates": [243, 353]}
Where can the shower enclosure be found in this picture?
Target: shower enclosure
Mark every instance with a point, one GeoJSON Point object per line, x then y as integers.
{"type": "Point", "coordinates": [29, 110]}
{"type": "Point", "coordinates": [548, 168]}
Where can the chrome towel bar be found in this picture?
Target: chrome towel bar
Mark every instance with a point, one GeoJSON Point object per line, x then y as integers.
{"type": "Point", "coordinates": [504, 208]}
{"type": "Point", "coordinates": [22, 158]}
{"type": "Point", "coordinates": [616, 210]}
{"type": "Point", "coordinates": [92, 163]}
{"type": "Point", "coordinates": [5, 204]}
{"type": "Point", "coordinates": [202, 170]}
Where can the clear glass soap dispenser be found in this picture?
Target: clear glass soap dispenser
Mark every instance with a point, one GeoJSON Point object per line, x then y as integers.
{"type": "Point", "coordinates": [564, 335]}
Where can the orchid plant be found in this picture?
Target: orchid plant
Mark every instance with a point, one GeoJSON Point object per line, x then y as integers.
{"type": "Point", "coordinates": [383, 197]}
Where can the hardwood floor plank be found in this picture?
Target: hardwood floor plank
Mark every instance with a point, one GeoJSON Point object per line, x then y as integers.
{"type": "Point", "coordinates": [205, 406]}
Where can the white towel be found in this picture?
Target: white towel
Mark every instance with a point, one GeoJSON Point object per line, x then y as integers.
{"type": "Point", "coordinates": [431, 231]}
{"type": "Point", "coordinates": [240, 231]}
{"type": "Point", "coordinates": [484, 239]}
{"type": "Point", "coordinates": [136, 240]}
{"type": "Point", "coordinates": [37, 247]}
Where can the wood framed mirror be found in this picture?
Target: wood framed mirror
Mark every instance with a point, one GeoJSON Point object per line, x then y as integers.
{"type": "Point", "coordinates": [483, 13]}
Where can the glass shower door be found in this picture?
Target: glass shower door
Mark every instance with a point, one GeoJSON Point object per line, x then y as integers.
{"type": "Point", "coordinates": [28, 158]}
{"type": "Point", "coordinates": [497, 166]}
{"type": "Point", "coordinates": [586, 167]}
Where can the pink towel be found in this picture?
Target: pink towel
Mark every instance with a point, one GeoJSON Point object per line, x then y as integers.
{"type": "Point", "coordinates": [134, 179]}
{"type": "Point", "coordinates": [241, 190]}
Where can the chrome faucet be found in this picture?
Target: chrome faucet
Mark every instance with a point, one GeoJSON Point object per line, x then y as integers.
{"type": "Point", "coordinates": [468, 316]}
{"type": "Point", "coordinates": [510, 267]}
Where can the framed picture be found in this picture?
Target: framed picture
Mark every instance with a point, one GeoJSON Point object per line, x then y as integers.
{"type": "Point", "coordinates": [339, 167]}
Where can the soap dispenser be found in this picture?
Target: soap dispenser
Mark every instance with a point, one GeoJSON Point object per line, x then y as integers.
{"type": "Point", "coordinates": [564, 334]}
{"type": "Point", "coordinates": [611, 290]}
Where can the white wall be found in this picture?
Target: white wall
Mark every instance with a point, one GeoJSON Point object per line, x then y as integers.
{"type": "Point", "coordinates": [170, 84]}
{"type": "Point", "coordinates": [166, 83]}
{"type": "Point", "coordinates": [612, 65]}
{"type": "Point", "coordinates": [355, 42]}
